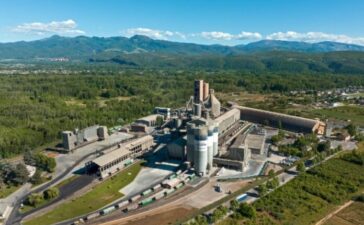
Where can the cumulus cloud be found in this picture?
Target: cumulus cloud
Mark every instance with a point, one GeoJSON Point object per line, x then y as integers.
{"type": "Point", "coordinates": [66, 27]}
{"type": "Point", "coordinates": [218, 35]}
{"type": "Point", "coordinates": [155, 34]}
{"type": "Point", "coordinates": [315, 37]}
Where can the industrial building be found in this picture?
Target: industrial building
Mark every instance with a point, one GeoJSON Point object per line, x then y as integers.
{"type": "Point", "coordinates": [255, 141]}
{"type": "Point", "coordinates": [165, 112]}
{"type": "Point", "coordinates": [202, 144]}
{"type": "Point", "coordinates": [204, 103]}
{"type": "Point", "coordinates": [149, 121]}
{"type": "Point", "coordinates": [227, 120]}
{"type": "Point", "coordinates": [73, 139]}
{"type": "Point", "coordinates": [280, 120]}
{"type": "Point", "coordinates": [116, 158]}
{"type": "Point", "coordinates": [177, 148]}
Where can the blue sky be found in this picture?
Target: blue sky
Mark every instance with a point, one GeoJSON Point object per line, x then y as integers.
{"type": "Point", "coordinates": [201, 21]}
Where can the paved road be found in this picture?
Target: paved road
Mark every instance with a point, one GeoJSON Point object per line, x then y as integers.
{"type": "Point", "coordinates": [15, 217]}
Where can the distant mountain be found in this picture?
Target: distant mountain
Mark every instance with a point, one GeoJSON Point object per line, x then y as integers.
{"type": "Point", "coordinates": [295, 46]}
{"type": "Point", "coordinates": [84, 48]}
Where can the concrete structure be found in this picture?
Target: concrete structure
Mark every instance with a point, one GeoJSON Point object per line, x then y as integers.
{"type": "Point", "coordinates": [198, 91]}
{"type": "Point", "coordinates": [255, 141]}
{"type": "Point", "coordinates": [77, 138]}
{"type": "Point", "coordinates": [200, 144]}
{"type": "Point", "coordinates": [117, 158]}
{"type": "Point", "coordinates": [166, 112]}
{"type": "Point", "coordinates": [177, 149]}
{"type": "Point", "coordinates": [228, 163]}
{"type": "Point", "coordinates": [149, 121]}
{"type": "Point", "coordinates": [239, 150]}
{"type": "Point", "coordinates": [287, 122]}
{"type": "Point", "coordinates": [138, 127]}
{"type": "Point", "coordinates": [227, 120]}
{"type": "Point", "coordinates": [205, 90]}
{"type": "Point", "coordinates": [213, 104]}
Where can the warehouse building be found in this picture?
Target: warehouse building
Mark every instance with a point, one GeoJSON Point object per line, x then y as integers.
{"type": "Point", "coordinates": [255, 141]}
{"type": "Point", "coordinates": [227, 120]}
{"type": "Point", "coordinates": [280, 120]}
{"type": "Point", "coordinates": [149, 121]}
{"type": "Point", "coordinates": [73, 139]}
{"type": "Point", "coordinates": [117, 158]}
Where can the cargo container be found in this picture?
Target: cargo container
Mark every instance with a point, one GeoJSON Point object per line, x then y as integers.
{"type": "Point", "coordinates": [123, 204]}
{"type": "Point", "coordinates": [159, 195]}
{"type": "Point", "coordinates": [241, 198]}
{"type": "Point", "coordinates": [146, 201]}
{"type": "Point", "coordinates": [131, 208]}
{"type": "Point", "coordinates": [179, 186]}
{"type": "Point", "coordinates": [172, 176]}
{"type": "Point", "coordinates": [147, 192]}
{"type": "Point", "coordinates": [108, 210]}
{"type": "Point", "coordinates": [135, 198]}
{"type": "Point", "coordinates": [170, 191]}
{"type": "Point", "coordinates": [93, 215]}
{"type": "Point", "coordinates": [156, 187]}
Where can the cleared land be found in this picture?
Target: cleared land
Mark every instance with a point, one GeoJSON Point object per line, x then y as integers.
{"type": "Point", "coordinates": [351, 215]}
{"type": "Point", "coordinates": [97, 197]}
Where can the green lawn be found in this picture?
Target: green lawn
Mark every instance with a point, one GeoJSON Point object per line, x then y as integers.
{"type": "Point", "coordinates": [101, 195]}
{"type": "Point", "coordinates": [7, 190]}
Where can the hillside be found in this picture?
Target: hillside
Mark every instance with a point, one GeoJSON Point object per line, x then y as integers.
{"type": "Point", "coordinates": [141, 51]}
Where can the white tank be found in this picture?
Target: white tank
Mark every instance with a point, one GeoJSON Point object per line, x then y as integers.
{"type": "Point", "coordinates": [215, 138]}
{"type": "Point", "coordinates": [210, 148]}
{"type": "Point", "coordinates": [200, 156]}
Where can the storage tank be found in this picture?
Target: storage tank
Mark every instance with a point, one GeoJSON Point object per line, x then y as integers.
{"type": "Point", "coordinates": [197, 110]}
{"type": "Point", "coordinates": [190, 142]}
{"type": "Point", "coordinates": [215, 139]}
{"type": "Point", "coordinates": [200, 150]}
{"type": "Point", "coordinates": [210, 144]}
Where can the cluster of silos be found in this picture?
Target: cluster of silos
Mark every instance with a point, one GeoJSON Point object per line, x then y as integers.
{"type": "Point", "coordinates": [202, 142]}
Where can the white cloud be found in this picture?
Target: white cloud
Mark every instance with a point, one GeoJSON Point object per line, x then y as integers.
{"type": "Point", "coordinates": [315, 37]}
{"type": "Point", "coordinates": [218, 35]}
{"type": "Point", "coordinates": [66, 27]}
{"type": "Point", "coordinates": [155, 34]}
{"type": "Point", "coordinates": [249, 36]}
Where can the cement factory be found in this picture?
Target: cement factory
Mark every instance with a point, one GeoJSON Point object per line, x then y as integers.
{"type": "Point", "coordinates": [202, 135]}
{"type": "Point", "coordinates": [198, 145]}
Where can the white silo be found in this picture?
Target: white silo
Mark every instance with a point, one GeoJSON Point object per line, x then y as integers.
{"type": "Point", "coordinates": [210, 144]}
{"type": "Point", "coordinates": [190, 142]}
{"type": "Point", "coordinates": [215, 139]}
{"type": "Point", "coordinates": [200, 150]}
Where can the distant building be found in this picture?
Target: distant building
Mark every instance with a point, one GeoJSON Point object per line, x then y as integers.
{"type": "Point", "coordinates": [77, 138]}
{"type": "Point", "coordinates": [150, 121]}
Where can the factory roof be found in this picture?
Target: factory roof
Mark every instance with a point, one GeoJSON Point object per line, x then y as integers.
{"type": "Point", "coordinates": [255, 141]}
{"type": "Point", "coordinates": [149, 117]}
{"type": "Point", "coordinates": [227, 115]}
{"type": "Point", "coordinates": [111, 156]}
{"type": "Point", "coordinates": [239, 141]}
{"type": "Point", "coordinates": [121, 151]}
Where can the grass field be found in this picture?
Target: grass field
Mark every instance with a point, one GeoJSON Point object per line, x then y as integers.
{"type": "Point", "coordinates": [351, 215]}
{"type": "Point", "coordinates": [99, 196]}
{"type": "Point", "coordinates": [354, 113]}
{"type": "Point", "coordinates": [7, 190]}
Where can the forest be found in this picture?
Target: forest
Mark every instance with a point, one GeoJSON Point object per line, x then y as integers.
{"type": "Point", "coordinates": [36, 107]}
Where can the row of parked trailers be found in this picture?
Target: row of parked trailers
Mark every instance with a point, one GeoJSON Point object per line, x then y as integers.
{"type": "Point", "coordinates": [134, 203]}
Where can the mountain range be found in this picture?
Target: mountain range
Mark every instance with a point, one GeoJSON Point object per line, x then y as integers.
{"type": "Point", "coordinates": [142, 51]}
{"type": "Point", "coordinates": [83, 47]}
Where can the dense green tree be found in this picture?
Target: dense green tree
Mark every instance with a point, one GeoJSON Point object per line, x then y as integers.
{"type": "Point", "coordinates": [51, 193]}
{"type": "Point", "coordinates": [301, 167]}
